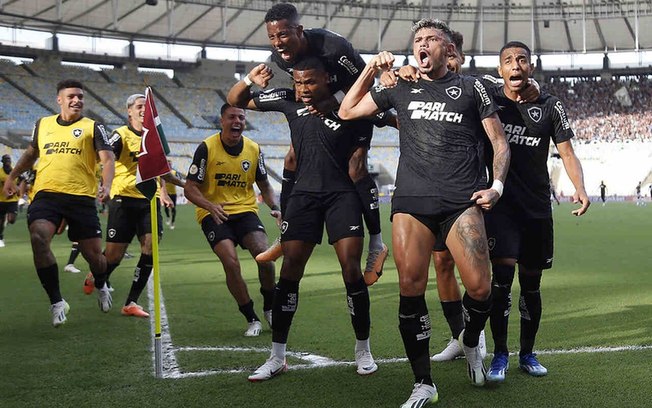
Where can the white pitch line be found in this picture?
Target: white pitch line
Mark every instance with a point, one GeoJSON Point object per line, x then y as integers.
{"type": "Point", "coordinates": [171, 367]}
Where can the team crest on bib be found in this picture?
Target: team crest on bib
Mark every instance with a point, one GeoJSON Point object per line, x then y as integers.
{"type": "Point", "coordinates": [77, 132]}
{"type": "Point", "coordinates": [245, 165]}
{"type": "Point", "coordinates": [535, 113]}
{"type": "Point", "coordinates": [454, 92]}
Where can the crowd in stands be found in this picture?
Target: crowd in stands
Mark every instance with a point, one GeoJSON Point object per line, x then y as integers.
{"type": "Point", "coordinates": [597, 114]}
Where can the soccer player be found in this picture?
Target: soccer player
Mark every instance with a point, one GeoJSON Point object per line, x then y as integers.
{"type": "Point", "coordinates": [220, 183]}
{"type": "Point", "coordinates": [440, 189]}
{"type": "Point", "coordinates": [520, 227]}
{"type": "Point", "coordinates": [74, 253]}
{"type": "Point", "coordinates": [639, 196]}
{"type": "Point", "coordinates": [291, 43]}
{"type": "Point", "coordinates": [8, 204]}
{"type": "Point", "coordinates": [323, 194]}
{"type": "Point", "coordinates": [67, 146]}
{"type": "Point", "coordinates": [171, 189]}
{"type": "Point", "coordinates": [603, 193]}
{"type": "Point", "coordinates": [129, 209]}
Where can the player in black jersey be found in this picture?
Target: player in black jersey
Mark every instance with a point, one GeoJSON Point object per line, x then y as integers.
{"type": "Point", "coordinates": [639, 196]}
{"type": "Point", "coordinates": [520, 227]}
{"type": "Point", "coordinates": [323, 194]}
{"type": "Point", "coordinates": [603, 193]}
{"type": "Point", "coordinates": [440, 188]}
{"type": "Point", "coordinates": [291, 43]}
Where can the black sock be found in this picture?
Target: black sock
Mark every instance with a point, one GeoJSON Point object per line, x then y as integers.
{"type": "Point", "coordinates": [49, 277]}
{"type": "Point", "coordinates": [141, 276]}
{"type": "Point", "coordinates": [287, 185]}
{"type": "Point", "coordinates": [167, 212]}
{"type": "Point", "coordinates": [530, 307]}
{"type": "Point", "coordinates": [501, 291]}
{"type": "Point", "coordinates": [174, 214]}
{"type": "Point", "coordinates": [454, 316]}
{"type": "Point", "coordinates": [415, 328]}
{"type": "Point", "coordinates": [368, 192]}
{"type": "Point", "coordinates": [74, 252]}
{"type": "Point", "coordinates": [286, 301]}
{"type": "Point", "coordinates": [268, 298]}
{"type": "Point", "coordinates": [476, 313]}
{"type": "Point", "coordinates": [2, 226]}
{"type": "Point", "coordinates": [357, 297]}
{"type": "Point", "coordinates": [101, 280]}
{"type": "Point", "coordinates": [248, 312]}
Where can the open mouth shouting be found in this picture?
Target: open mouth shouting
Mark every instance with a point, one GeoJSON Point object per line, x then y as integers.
{"type": "Point", "coordinates": [423, 58]}
{"type": "Point", "coordinates": [516, 81]}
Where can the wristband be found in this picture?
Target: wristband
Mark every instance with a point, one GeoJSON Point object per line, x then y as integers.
{"type": "Point", "coordinates": [247, 80]}
{"type": "Point", "coordinates": [498, 186]}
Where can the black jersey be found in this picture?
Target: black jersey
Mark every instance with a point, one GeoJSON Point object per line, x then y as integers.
{"type": "Point", "coordinates": [529, 129]}
{"type": "Point", "coordinates": [441, 140]}
{"type": "Point", "coordinates": [322, 146]}
{"type": "Point", "coordinates": [341, 61]}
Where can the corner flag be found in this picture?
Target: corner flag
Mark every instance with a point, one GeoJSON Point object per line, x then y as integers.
{"type": "Point", "coordinates": [152, 160]}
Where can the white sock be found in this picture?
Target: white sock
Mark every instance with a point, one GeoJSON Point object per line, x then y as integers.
{"type": "Point", "coordinates": [278, 350]}
{"type": "Point", "coordinates": [375, 242]}
{"type": "Point", "coordinates": [362, 345]}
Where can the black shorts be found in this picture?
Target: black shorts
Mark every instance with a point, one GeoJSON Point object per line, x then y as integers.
{"type": "Point", "coordinates": [8, 208]}
{"type": "Point", "coordinates": [129, 216]}
{"type": "Point", "coordinates": [306, 214]}
{"type": "Point", "coordinates": [440, 225]}
{"type": "Point", "coordinates": [235, 228]}
{"type": "Point", "coordinates": [173, 198]}
{"type": "Point", "coordinates": [79, 212]}
{"type": "Point", "coordinates": [528, 240]}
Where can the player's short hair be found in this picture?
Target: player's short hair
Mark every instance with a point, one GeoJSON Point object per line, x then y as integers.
{"type": "Point", "coordinates": [433, 23]}
{"type": "Point", "coordinates": [227, 106]}
{"type": "Point", "coordinates": [458, 39]}
{"type": "Point", "coordinates": [309, 63]}
{"type": "Point", "coordinates": [69, 83]}
{"type": "Point", "coordinates": [283, 11]}
{"type": "Point", "coordinates": [6, 158]}
{"type": "Point", "coordinates": [132, 99]}
{"type": "Point", "coordinates": [516, 44]}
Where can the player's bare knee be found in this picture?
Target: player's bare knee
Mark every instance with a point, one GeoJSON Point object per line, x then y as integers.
{"type": "Point", "coordinates": [480, 292]}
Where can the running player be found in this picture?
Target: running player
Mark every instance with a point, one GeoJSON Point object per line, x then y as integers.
{"type": "Point", "coordinates": [67, 146]}
{"type": "Point", "coordinates": [603, 193]}
{"type": "Point", "coordinates": [323, 194]}
{"type": "Point", "coordinates": [8, 205]}
{"type": "Point", "coordinates": [129, 209]}
{"type": "Point", "coordinates": [220, 183]}
{"type": "Point", "coordinates": [441, 116]}
{"type": "Point", "coordinates": [291, 43]}
{"type": "Point", "coordinates": [520, 227]}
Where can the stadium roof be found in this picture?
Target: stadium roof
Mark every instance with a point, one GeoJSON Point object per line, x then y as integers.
{"type": "Point", "coordinates": [547, 26]}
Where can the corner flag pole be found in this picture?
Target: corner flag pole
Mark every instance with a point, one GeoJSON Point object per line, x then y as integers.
{"type": "Point", "coordinates": [158, 351]}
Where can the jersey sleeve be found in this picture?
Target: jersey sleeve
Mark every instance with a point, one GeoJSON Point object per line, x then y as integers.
{"type": "Point", "coordinates": [261, 170]}
{"type": "Point", "coordinates": [197, 170]}
{"type": "Point", "coordinates": [34, 142]}
{"type": "Point", "coordinates": [382, 96]}
{"type": "Point", "coordinates": [561, 124]}
{"type": "Point", "coordinates": [485, 103]}
{"type": "Point", "coordinates": [101, 138]}
{"type": "Point", "coordinates": [273, 99]}
{"type": "Point", "coordinates": [115, 141]}
{"type": "Point", "coordinates": [339, 49]}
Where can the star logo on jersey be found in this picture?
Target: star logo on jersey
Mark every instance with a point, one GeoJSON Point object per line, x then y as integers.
{"type": "Point", "coordinates": [535, 113]}
{"type": "Point", "coordinates": [77, 132]}
{"type": "Point", "coordinates": [416, 90]}
{"type": "Point", "coordinates": [454, 92]}
{"type": "Point", "coordinates": [246, 164]}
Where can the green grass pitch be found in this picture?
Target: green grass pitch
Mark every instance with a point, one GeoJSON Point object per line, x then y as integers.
{"type": "Point", "coordinates": [598, 295]}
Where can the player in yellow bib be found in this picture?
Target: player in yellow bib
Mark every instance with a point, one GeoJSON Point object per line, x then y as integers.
{"type": "Point", "coordinates": [129, 209]}
{"type": "Point", "coordinates": [220, 183]}
{"type": "Point", "coordinates": [8, 205]}
{"type": "Point", "coordinates": [67, 146]}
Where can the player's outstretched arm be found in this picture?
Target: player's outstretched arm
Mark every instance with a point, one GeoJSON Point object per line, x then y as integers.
{"type": "Point", "coordinates": [239, 95]}
{"type": "Point", "coordinates": [170, 178]}
{"type": "Point", "coordinates": [494, 129]}
{"type": "Point", "coordinates": [358, 102]}
{"type": "Point", "coordinates": [574, 170]}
